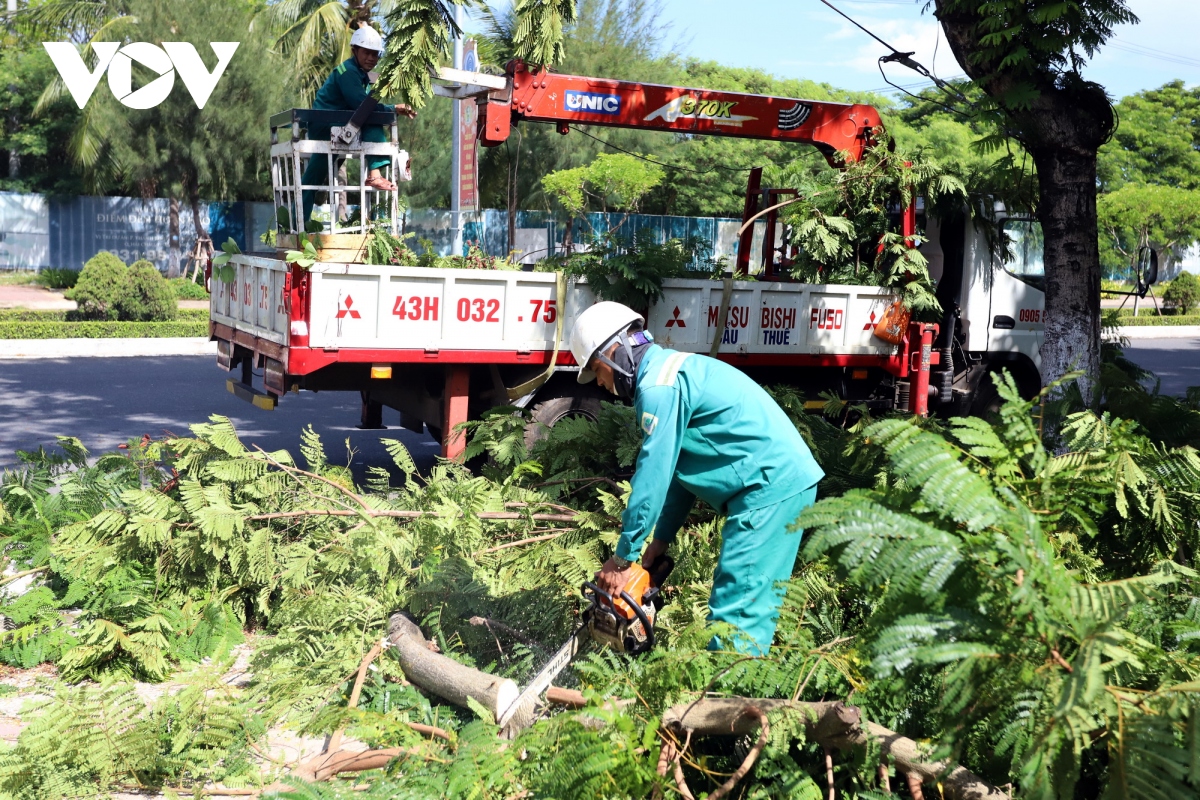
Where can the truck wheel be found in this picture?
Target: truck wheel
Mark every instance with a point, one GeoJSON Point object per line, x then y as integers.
{"type": "Point", "coordinates": [986, 403]}
{"type": "Point", "coordinates": [546, 413]}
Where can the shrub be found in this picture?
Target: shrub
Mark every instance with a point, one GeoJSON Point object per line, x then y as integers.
{"type": "Point", "coordinates": [1183, 293]}
{"type": "Point", "coordinates": [147, 296]}
{"type": "Point", "coordinates": [185, 289]}
{"type": "Point", "coordinates": [54, 278]}
{"type": "Point", "coordinates": [100, 287]}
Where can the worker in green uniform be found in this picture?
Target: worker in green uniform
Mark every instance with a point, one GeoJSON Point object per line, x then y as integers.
{"type": "Point", "coordinates": [708, 432]}
{"type": "Point", "coordinates": [344, 90]}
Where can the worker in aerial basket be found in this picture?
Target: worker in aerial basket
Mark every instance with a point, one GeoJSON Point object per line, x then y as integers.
{"type": "Point", "coordinates": [708, 432]}
{"type": "Point", "coordinates": [344, 90]}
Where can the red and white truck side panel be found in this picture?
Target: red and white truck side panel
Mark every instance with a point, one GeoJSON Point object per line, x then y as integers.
{"type": "Point", "coordinates": [303, 326]}
{"type": "Point", "coordinates": [366, 313]}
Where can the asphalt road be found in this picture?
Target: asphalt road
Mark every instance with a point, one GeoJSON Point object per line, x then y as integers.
{"type": "Point", "coordinates": [1176, 362]}
{"type": "Point", "coordinates": [106, 401]}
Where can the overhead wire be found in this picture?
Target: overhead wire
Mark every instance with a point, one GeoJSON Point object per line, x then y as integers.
{"type": "Point", "coordinates": [905, 58]}
{"type": "Point", "coordinates": [1151, 52]}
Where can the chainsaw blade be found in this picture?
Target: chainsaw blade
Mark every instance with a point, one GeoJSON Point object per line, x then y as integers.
{"type": "Point", "coordinates": [541, 682]}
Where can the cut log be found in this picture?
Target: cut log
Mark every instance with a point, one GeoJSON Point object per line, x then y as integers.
{"type": "Point", "coordinates": [449, 680]}
{"type": "Point", "coordinates": [835, 725]}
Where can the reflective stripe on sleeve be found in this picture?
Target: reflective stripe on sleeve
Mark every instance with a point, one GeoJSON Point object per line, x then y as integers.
{"type": "Point", "coordinates": [670, 369]}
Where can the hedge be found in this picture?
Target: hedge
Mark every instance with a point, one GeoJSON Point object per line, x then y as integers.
{"type": "Point", "coordinates": [1145, 310]}
{"type": "Point", "coordinates": [101, 330]}
{"type": "Point", "coordinates": [1148, 320]}
{"type": "Point", "coordinates": [53, 315]}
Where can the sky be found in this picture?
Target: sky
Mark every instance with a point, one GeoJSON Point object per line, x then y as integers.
{"type": "Point", "coordinates": [805, 39]}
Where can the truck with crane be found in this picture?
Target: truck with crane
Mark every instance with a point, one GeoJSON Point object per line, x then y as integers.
{"type": "Point", "coordinates": [442, 346]}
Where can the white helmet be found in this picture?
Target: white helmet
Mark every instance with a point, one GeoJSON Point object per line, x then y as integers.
{"type": "Point", "coordinates": [597, 328]}
{"type": "Point", "coordinates": [367, 38]}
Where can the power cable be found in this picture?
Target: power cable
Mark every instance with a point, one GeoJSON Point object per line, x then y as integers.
{"type": "Point", "coordinates": [1150, 52]}
{"type": "Point", "coordinates": [905, 58]}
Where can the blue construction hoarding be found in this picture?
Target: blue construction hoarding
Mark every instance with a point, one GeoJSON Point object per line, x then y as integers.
{"type": "Point", "coordinates": [38, 232]}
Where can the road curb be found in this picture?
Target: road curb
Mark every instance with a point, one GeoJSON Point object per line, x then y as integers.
{"type": "Point", "coordinates": [1159, 331]}
{"type": "Point", "coordinates": [105, 348]}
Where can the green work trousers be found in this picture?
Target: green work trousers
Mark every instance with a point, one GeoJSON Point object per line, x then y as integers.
{"type": "Point", "coordinates": [317, 170]}
{"type": "Point", "coordinates": [758, 552]}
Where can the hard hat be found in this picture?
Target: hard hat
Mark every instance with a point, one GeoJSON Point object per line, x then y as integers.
{"type": "Point", "coordinates": [367, 38]}
{"type": "Point", "coordinates": [597, 328]}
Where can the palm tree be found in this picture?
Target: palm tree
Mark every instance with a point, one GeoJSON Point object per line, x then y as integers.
{"type": "Point", "coordinates": [314, 36]}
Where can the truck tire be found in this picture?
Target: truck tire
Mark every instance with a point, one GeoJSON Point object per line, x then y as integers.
{"type": "Point", "coordinates": [986, 403]}
{"type": "Point", "coordinates": [546, 413]}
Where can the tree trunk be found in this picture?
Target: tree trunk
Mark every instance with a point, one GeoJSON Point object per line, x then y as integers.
{"type": "Point", "coordinates": [201, 233]}
{"type": "Point", "coordinates": [514, 169]}
{"type": "Point", "coordinates": [569, 235]}
{"type": "Point", "coordinates": [14, 164]}
{"type": "Point", "coordinates": [1067, 212]}
{"type": "Point", "coordinates": [173, 240]}
{"type": "Point", "coordinates": [1061, 120]}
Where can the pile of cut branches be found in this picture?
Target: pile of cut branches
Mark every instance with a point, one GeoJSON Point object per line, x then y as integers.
{"type": "Point", "coordinates": [1025, 612]}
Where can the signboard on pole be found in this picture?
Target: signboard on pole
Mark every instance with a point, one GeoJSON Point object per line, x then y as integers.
{"type": "Point", "coordinates": [468, 167]}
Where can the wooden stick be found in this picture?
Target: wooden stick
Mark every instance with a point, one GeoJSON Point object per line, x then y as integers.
{"type": "Point", "coordinates": [914, 786]}
{"type": "Point", "coordinates": [18, 575]}
{"type": "Point", "coordinates": [680, 782]}
{"type": "Point", "coordinates": [294, 471]}
{"type": "Point", "coordinates": [763, 732]}
{"type": "Point", "coordinates": [519, 542]}
{"type": "Point", "coordinates": [665, 756]}
{"type": "Point", "coordinates": [335, 741]}
{"type": "Point", "coordinates": [885, 781]}
{"type": "Point", "coordinates": [616, 486]}
{"type": "Point", "coordinates": [829, 774]}
{"type": "Point", "coordinates": [571, 698]}
{"type": "Point", "coordinates": [431, 730]}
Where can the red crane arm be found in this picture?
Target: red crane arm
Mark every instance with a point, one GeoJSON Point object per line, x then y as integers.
{"type": "Point", "coordinates": [562, 99]}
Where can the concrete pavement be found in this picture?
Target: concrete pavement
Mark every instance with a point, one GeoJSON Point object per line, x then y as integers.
{"type": "Point", "coordinates": [105, 348]}
{"type": "Point", "coordinates": [33, 297]}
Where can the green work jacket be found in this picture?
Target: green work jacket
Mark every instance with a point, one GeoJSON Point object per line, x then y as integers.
{"type": "Point", "coordinates": [711, 432]}
{"type": "Point", "coordinates": [345, 89]}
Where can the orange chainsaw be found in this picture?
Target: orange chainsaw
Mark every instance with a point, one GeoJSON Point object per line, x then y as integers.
{"type": "Point", "coordinates": [625, 623]}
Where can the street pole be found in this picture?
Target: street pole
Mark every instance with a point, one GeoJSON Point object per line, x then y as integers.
{"type": "Point", "coordinates": [456, 227]}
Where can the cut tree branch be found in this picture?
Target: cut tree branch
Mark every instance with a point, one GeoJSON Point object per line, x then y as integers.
{"type": "Point", "coordinates": [520, 542]}
{"type": "Point", "coordinates": [450, 680]}
{"type": "Point", "coordinates": [25, 573]}
{"type": "Point", "coordinates": [395, 514]}
{"type": "Point", "coordinates": [835, 725]}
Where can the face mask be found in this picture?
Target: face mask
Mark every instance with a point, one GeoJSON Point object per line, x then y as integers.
{"type": "Point", "coordinates": [628, 359]}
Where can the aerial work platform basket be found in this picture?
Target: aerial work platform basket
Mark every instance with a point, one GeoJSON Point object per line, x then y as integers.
{"type": "Point", "coordinates": [354, 207]}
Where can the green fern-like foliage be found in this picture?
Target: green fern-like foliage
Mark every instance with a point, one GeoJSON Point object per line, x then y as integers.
{"type": "Point", "coordinates": [969, 549]}
{"type": "Point", "coordinates": [420, 41]}
{"type": "Point", "coordinates": [540, 29]}
{"type": "Point", "coordinates": [1027, 608]}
